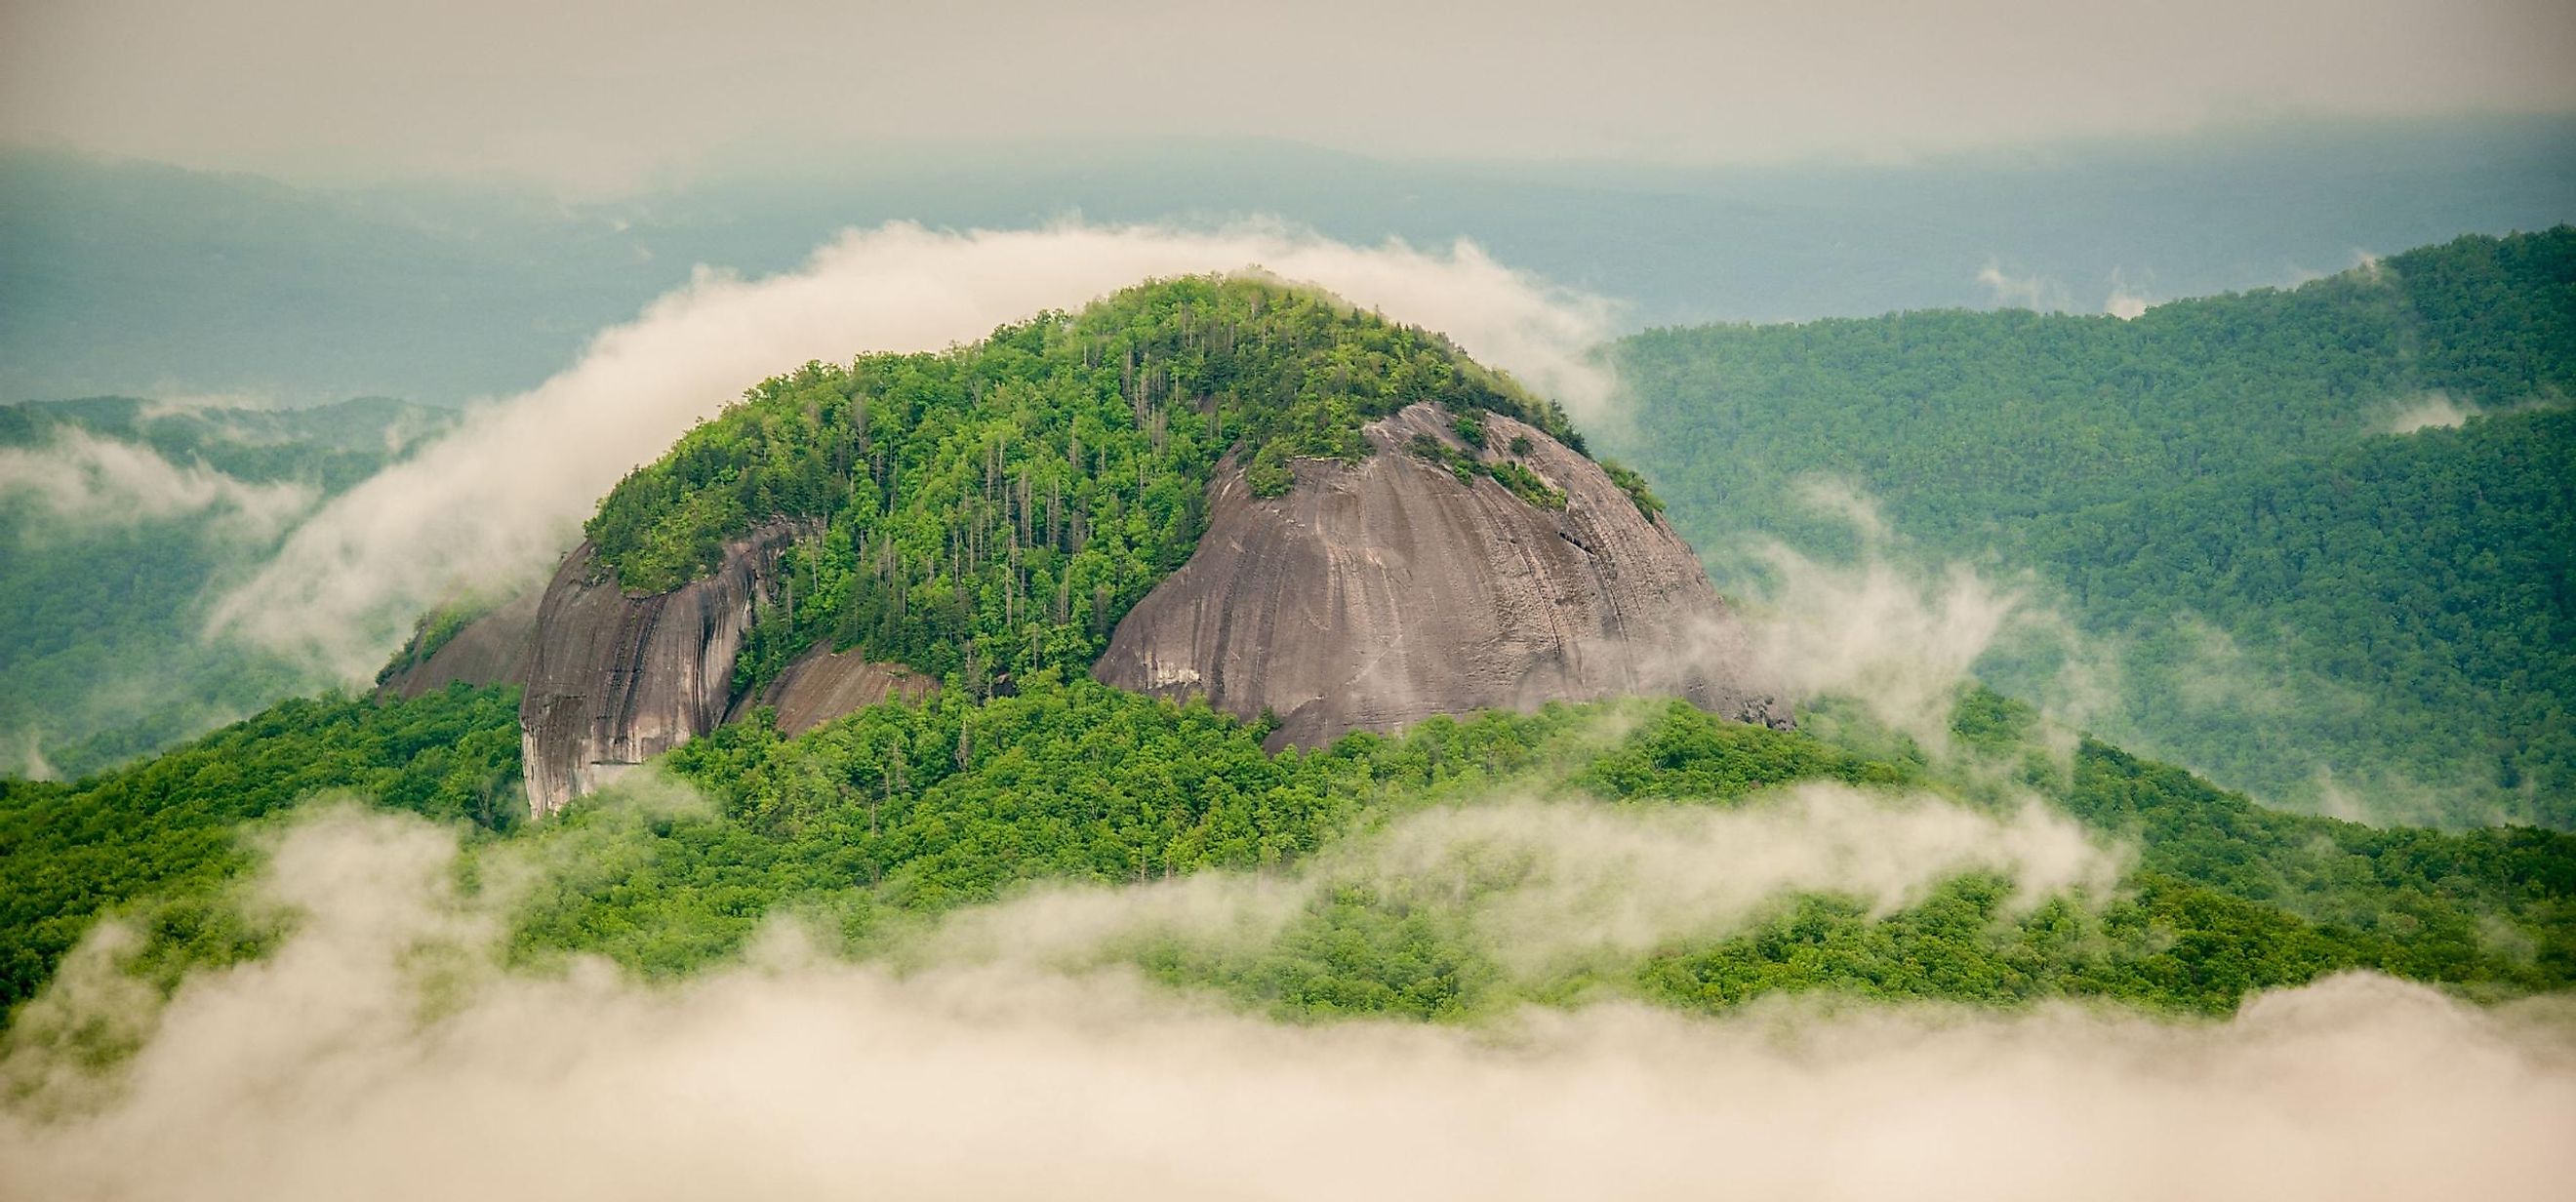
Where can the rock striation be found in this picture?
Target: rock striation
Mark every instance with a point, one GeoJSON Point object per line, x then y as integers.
{"type": "Point", "coordinates": [1373, 595]}
{"type": "Point", "coordinates": [613, 680]}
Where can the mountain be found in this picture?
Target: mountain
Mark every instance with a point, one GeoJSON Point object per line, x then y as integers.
{"type": "Point", "coordinates": [138, 277]}
{"type": "Point", "coordinates": [2324, 532]}
{"type": "Point", "coordinates": [1391, 531]}
{"type": "Point", "coordinates": [943, 566]}
{"type": "Point", "coordinates": [122, 520]}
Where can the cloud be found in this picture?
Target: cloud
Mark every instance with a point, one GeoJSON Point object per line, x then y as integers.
{"type": "Point", "coordinates": [2125, 303]}
{"type": "Point", "coordinates": [1900, 640]}
{"type": "Point", "coordinates": [2045, 295]}
{"type": "Point", "coordinates": [2431, 411]}
{"type": "Point", "coordinates": [82, 480]}
{"type": "Point", "coordinates": [377, 1053]}
{"type": "Point", "coordinates": [1549, 883]}
{"type": "Point", "coordinates": [493, 505]}
{"type": "Point", "coordinates": [1544, 886]}
{"type": "Point", "coordinates": [1902, 637]}
{"type": "Point", "coordinates": [24, 758]}
{"type": "Point", "coordinates": [2011, 291]}
{"type": "Point", "coordinates": [1837, 497]}
{"type": "Point", "coordinates": [172, 399]}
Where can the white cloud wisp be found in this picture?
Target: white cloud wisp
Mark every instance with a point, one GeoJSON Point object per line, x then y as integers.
{"type": "Point", "coordinates": [493, 505]}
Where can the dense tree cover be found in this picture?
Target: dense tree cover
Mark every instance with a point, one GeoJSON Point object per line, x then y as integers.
{"type": "Point", "coordinates": [903, 811]}
{"type": "Point", "coordinates": [170, 827]}
{"type": "Point", "coordinates": [997, 507]}
{"type": "Point", "coordinates": [2408, 602]}
{"type": "Point", "coordinates": [2227, 898]}
{"type": "Point", "coordinates": [2209, 487]}
{"type": "Point", "coordinates": [922, 808]}
{"type": "Point", "coordinates": [872, 824]}
{"type": "Point", "coordinates": [101, 614]}
{"type": "Point", "coordinates": [990, 510]}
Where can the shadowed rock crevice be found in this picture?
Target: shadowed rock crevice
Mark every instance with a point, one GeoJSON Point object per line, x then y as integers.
{"type": "Point", "coordinates": [1371, 596]}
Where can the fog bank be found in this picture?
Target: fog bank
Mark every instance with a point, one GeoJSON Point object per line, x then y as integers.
{"type": "Point", "coordinates": [83, 481]}
{"type": "Point", "coordinates": [319, 1073]}
{"type": "Point", "coordinates": [1544, 887]}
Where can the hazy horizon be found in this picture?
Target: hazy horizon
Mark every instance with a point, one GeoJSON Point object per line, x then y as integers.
{"type": "Point", "coordinates": [597, 100]}
{"type": "Point", "coordinates": [145, 278]}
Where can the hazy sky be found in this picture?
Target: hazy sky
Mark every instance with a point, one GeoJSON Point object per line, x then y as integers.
{"type": "Point", "coordinates": [594, 95]}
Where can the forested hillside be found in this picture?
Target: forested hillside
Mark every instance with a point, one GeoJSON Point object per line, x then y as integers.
{"type": "Point", "coordinates": [986, 514]}
{"type": "Point", "coordinates": [997, 507]}
{"type": "Point", "coordinates": [119, 519]}
{"type": "Point", "coordinates": [2304, 600]}
{"type": "Point", "coordinates": [170, 831]}
{"type": "Point", "coordinates": [871, 824]}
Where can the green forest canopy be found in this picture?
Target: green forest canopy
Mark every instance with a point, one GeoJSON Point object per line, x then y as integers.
{"type": "Point", "coordinates": [910, 809]}
{"type": "Point", "coordinates": [996, 507]}
{"type": "Point", "coordinates": [2303, 601]}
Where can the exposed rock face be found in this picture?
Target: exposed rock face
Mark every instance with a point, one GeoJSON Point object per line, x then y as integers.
{"type": "Point", "coordinates": [821, 686]}
{"type": "Point", "coordinates": [1372, 596]}
{"type": "Point", "coordinates": [492, 649]}
{"type": "Point", "coordinates": [613, 680]}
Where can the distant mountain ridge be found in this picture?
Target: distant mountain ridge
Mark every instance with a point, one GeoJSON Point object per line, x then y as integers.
{"type": "Point", "coordinates": [135, 276]}
{"type": "Point", "coordinates": [102, 604]}
{"type": "Point", "coordinates": [2306, 604]}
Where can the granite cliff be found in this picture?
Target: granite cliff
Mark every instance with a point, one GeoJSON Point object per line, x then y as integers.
{"type": "Point", "coordinates": [610, 679]}
{"type": "Point", "coordinates": [614, 680]}
{"type": "Point", "coordinates": [1376, 594]}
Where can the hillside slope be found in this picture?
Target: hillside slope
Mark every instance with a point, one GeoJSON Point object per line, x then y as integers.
{"type": "Point", "coordinates": [120, 521]}
{"type": "Point", "coordinates": [907, 809]}
{"type": "Point", "coordinates": [2304, 603]}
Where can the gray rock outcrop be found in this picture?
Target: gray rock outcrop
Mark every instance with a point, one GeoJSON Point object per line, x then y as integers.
{"type": "Point", "coordinates": [822, 685]}
{"type": "Point", "coordinates": [492, 649]}
{"type": "Point", "coordinates": [1371, 596]}
{"type": "Point", "coordinates": [613, 680]}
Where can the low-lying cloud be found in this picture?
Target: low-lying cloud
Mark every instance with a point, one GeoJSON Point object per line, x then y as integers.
{"type": "Point", "coordinates": [1901, 637]}
{"type": "Point", "coordinates": [1899, 640]}
{"type": "Point", "coordinates": [2013, 291]}
{"type": "Point", "coordinates": [1546, 886]}
{"type": "Point", "coordinates": [2431, 411]}
{"type": "Point", "coordinates": [2125, 302]}
{"type": "Point", "coordinates": [378, 1054]}
{"type": "Point", "coordinates": [492, 506]}
{"type": "Point", "coordinates": [82, 480]}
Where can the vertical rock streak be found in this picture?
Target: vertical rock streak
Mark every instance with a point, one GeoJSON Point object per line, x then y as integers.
{"type": "Point", "coordinates": [614, 680]}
